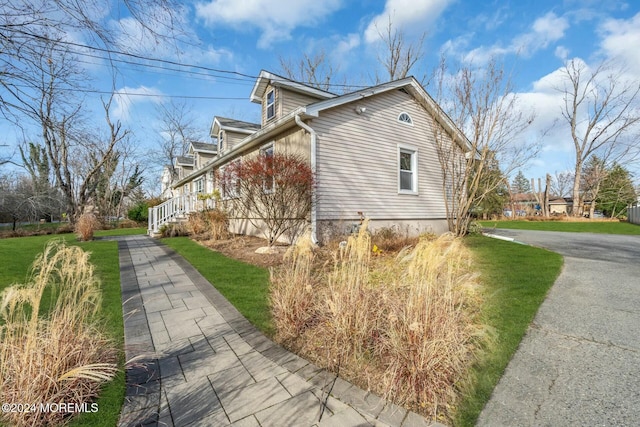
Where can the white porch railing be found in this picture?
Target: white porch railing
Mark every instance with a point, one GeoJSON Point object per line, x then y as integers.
{"type": "Point", "coordinates": [633, 214]}
{"type": "Point", "coordinates": [176, 208]}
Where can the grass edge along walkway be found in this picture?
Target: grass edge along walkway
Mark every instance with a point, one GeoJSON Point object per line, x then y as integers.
{"type": "Point", "coordinates": [104, 256]}
{"type": "Point", "coordinates": [600, 227]}
{"type": "Point", "coordinates": [516, 279]}
{"type": "Point", "coordinates": [244, 285]}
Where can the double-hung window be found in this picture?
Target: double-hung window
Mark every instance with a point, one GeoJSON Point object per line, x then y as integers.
{"type": "Point", "coordinates": [269, 182]}
{"type": "Point", "coordinates": [199, 185]}
{"type": "Point", "coordinates": [407, 170]}
{"type": "Point", "coordinates": [271, 104]}
{"type": "Point", "coordinates": [221, 146]}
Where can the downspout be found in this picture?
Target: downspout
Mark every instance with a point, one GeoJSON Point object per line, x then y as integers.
{"type": "Point", "coordinates": [312, 133]}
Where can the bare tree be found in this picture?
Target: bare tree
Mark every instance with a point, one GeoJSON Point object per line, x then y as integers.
{"type": "Point", "coordinates": [316, 70]}
{"type": "Point", "coordinates": [30, 26]}
{"type": "Point", "coordinates": [561, 184]}
{"type": "Point", "coordinates": [177, 130]}
{"type": "Point", "coordinates": [600, 108]}
{"type": "Point", "coordinates": [482, 105]}
{"type": "Point", "coordinates": [397, 55]}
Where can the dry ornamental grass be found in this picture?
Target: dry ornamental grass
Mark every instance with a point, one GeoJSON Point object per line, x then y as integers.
{"type": "Point", "coordinates": [53, 357]}
{"type": "Point", "coordinates": [403, 327]}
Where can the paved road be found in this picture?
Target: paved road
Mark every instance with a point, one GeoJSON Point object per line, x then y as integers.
{"type": "Point", "coordinates": [579, 363]}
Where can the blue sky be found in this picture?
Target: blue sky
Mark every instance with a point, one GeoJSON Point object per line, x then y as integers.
{"type": "Point", "coordinates": [244, 36]}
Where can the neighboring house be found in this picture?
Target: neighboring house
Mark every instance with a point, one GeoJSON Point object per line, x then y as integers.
{"type": "Point", "coordinates": [523, 204]}
{"type": "Point", "coordinates": [560, 206]}
{"type": "Point", "coordinates": [372, 151]}
{"type": "Point", "coordinates": [166, 181]}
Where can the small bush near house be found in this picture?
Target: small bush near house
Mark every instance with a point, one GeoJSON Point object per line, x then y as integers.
{"type": "Point", "coordinates": [59, 355]}
{"type": "Point", "coordinates": [391, 239]}
{"type": "Point", "coordinates": [210, 224]}
{"type": "Point", "coordinates": [176, 229]}
{"type": "Point", "coordinates": [401, 326]}
{"type": "Point", "coordinates": [86, 225]}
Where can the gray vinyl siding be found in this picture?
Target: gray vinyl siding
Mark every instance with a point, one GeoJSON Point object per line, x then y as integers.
{"type": "Point", "coordinates": [286, 101]}
{"type": "Point", "coordinates": [357, 161]}
{"type": "Point", "coordinates": [232, 139]}
{"type": "Point", "coordinates": [290, 100]}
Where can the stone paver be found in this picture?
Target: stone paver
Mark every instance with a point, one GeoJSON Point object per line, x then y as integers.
{"type": "Point", "coordinates": [195, 361]}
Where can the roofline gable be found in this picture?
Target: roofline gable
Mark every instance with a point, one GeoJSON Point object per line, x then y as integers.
{"type": "Point", "coordinates": [216, 126]}
{"type": "Point", "coordinates": [415, 89]}
{"type": "Point", "coordinates": [266, 78]}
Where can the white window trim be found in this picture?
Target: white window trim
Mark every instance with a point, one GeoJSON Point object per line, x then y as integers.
{"type": "Point", "coordinates": [199, 185]}
{"type": "Point", "coordinates": [414, 168]}
{"type": "Point", "coordinates": [221, 145]}
{"type": "Point", "coordinates": [263, 149]}
{"type": "Point", "coordinates": [409, 123]}
{"type": "Point", "coordinates": [272, 104]}
{"type": "Point", "coordinates": [226, 193]}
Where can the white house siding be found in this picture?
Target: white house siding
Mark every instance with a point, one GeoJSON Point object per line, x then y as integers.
{"type": "Point", "coordinates": [357, 163]}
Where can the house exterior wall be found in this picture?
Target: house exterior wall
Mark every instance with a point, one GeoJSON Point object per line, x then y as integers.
{"type": "Point", "coordinates": [233, 139]}
{"type": "Point", "coordinates": [291, 100]}
{"type": "Point", "coordinates": [293, 141]}
{"type": "Point", "coordinates": [286, 101]}
{"type": "Point", "coordinates": [358, 164]}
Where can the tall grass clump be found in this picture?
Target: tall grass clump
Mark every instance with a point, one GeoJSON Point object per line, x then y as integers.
{"type": "Point", "coordinates": [86, 225]}
{"type": "Point", "coordinates": [210, 224]}
{"type": "Point", "coordinates": [402, 326]}
{"type": "Point", "coordinates": [53, 353]}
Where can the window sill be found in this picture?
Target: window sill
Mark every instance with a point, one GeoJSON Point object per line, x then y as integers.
{"type": "Point", "coordinates": [408, 192]}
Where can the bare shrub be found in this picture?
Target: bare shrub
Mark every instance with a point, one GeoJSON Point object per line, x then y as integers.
{"type": "Point", "coordinates": [292, 292]}
{"type": "Point", "coordinates": [211, 223]}
{"type": "Point", "coordinates": [391, 239]}
{"type": "Point", "coordinates": [86, 225]}
{"type": "Point", "coordinates": [401, 326]}
{"type": "Point", "coordinates": [174, 229]}
{"type": "Point", "coordinates": [197, 223]}
{"type": "Point", "coordinates": [59, 355]}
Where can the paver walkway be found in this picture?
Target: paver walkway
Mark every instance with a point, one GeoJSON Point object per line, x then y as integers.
{"type": "Point", "coordinates": [198, 362]}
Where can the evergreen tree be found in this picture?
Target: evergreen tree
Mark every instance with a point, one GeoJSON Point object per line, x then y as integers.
{"type": "Point", "coordinates": [520, 184]}
{"type": "Point", "coordinates": [616, 192]}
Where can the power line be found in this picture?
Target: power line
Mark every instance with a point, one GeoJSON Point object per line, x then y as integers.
{"type": "Point", "coordinates": [141, 57]}
{"type": "Point", "coordinates": [243, 77]}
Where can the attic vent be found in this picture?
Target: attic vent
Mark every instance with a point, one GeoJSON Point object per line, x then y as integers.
{"type": "Point", "coordinates": [405, 118]}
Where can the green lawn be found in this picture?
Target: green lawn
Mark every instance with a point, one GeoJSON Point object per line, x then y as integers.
{"type": "Point", "coordinates": [18, 254]}
{"type": "Point", "coordinates": [516, 279]}
{"type": "Point", "coordinates": [244, 285]}
{"type": "Point", "coordinates": [121, 231]}
{"type": "Point", "coordinates": [605, 227]}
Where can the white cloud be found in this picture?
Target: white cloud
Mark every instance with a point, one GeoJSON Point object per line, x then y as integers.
{"type": "Point", "coordinates": [620, 38]}
{"type": "Point", "coordinates": [346, 45]}
{"type": "Point", "coordinates": [275, 22]}
{"type": "Point", "coordinates": [126, 97]}
{"type": "Point", "coordinates": [544, 31]}
{"type": "Point", "coordinates": [406, 14]}
{"type": "Point", "coordinates": [561, 52]}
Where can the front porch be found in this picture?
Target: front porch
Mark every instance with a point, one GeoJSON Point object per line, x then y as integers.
{"type": "Point", "coordinates": [177, 209]}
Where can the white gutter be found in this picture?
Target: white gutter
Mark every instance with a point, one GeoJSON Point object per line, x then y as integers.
{"type": "Point", "coordinates": [303, 125]}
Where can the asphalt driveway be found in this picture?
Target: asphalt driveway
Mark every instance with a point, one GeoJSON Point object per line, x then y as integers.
{"type": "Point", "coordinates": [579, 363]}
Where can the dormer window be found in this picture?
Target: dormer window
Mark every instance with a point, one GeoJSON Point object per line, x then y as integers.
{"type": "Point", "coordinates": [271, 104]}
{"type": "Point", "coordinates": [405, 118]}
{"type": "Point", "coordinates": [221, 146]}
